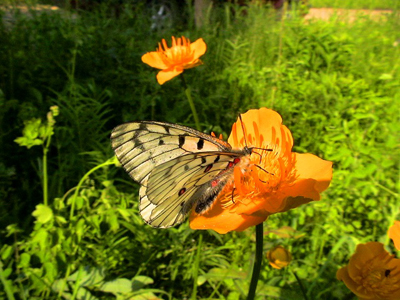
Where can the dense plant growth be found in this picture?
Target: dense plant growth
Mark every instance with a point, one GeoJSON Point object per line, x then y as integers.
{"type": "Point", "coordinates": [70, 227]}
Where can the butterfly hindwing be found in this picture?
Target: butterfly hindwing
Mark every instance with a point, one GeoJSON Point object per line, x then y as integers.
{"type": "Point", "coordinates": [174, 187]}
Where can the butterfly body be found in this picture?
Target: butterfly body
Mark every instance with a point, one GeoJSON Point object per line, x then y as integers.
{"type": "Point", "coordinates": [178, 168]}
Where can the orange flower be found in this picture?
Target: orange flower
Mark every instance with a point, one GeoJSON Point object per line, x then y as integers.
{"type": "Point", "coordinates": [372, 273]}
{"type": "Point", "coordinates": [279, 257]}
{"type": "Point", "coordinates": [172, 61]}
{"type": "Point", "coordinates": [394, 234]}
{"type": "Point", "coordinates": [265, 182]}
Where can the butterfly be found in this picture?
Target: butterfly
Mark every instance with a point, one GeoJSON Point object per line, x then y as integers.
{"type": "Point", "coordinates": [178, 168]}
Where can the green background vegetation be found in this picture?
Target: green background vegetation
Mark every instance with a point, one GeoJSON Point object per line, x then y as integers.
{"type": "Point", "coordinates": [335, 84]}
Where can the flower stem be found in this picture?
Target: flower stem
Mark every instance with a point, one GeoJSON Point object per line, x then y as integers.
{"type": "Point", "coordinates": [303, 291]}
{"type": "Point", "coordinates": [196, 267]}
{"type": "Point", "coordinates": [106, 163]}
{"type": "Point", "coordinates": [45, 178]}
{"type": "Point", "coordinates": [257, 262]}
{"type": "Point", "coordinates": [191, 103]}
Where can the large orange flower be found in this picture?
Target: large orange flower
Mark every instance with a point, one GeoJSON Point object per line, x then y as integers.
{"type": "Point", "coordinates": [265, 182]}
{"type": "Point", "coordinates": [394, 234]}
{"type": "Point", "coordinates": [172, 61]}
{"type": "Point", "coordinates": [372, 273]}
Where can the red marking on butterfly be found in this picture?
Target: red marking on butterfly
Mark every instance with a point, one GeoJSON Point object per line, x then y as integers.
{"type": "Point", "coordinates": [208, 168]}
{"type": "Point", "coordinates": [214, 183]}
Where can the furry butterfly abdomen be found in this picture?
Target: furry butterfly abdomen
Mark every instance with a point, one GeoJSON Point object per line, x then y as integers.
{"type": "Point", "coordinates": [177, 167]}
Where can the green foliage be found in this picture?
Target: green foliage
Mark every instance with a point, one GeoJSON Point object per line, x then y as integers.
{"type": "Point", "coordinates": [356, 4]}
{"type": "Point", "coordinates": [336, 86]}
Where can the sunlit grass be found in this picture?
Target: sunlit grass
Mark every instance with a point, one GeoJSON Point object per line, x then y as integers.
{"type": "Point", "coordinates": [357, 4]}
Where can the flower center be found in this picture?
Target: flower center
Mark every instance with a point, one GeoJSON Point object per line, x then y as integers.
{"type": "Point", "coordinates": [378, 280]}
{"type": "Point", "coordinates": [179, 53]}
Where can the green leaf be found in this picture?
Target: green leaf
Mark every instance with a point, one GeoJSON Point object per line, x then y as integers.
{"type": "Point", "coordinates": [386, 76]}
{"type": "Point", "coordinates": [24, 260]}
{"type": "Point", "coordinates": [43, 213]}
{"type": "Point", "coordinates": [139, 282]}
{"type": "Point", "coordinates": [117, 286]}
{"type": "Point", "coordinates": [201, 280]}
{"type": "Point", "coordinates": [88, 276]}
{"type": "Point", "coordinates": [6, 252]}
{"type": "Point", "coordinates": [80, 228]}
{"type": "Point", "coordinates": [40, 237]}
{"type": "Point", "coordinates": [7, 272]}
{"type": "Point", "coordinates": [221, 274]}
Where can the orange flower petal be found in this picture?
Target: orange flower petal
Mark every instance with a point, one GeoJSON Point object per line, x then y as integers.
{"type": "Point", "coordinates": [165, 75]}
{"type": "Point", "coordinates": [394, 234]}
{"type": "Point", "coordinates": [313, 176]}
{"type": "Point", "coordinates": [268, 123]}
{"type": "Point", "coordinates": [223, 220]}
{"type": "Point", "coordinates": [198, 47]}
{"type": "Point", "coordinates": [155, 60]}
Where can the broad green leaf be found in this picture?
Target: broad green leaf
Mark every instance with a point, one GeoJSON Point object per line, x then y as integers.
{"type": "Point", "coordinates": [139, 282]}
{"type": "Point", "coordinates": [117, 286]}
{"type": "Point", "coordinates": [43, 213]}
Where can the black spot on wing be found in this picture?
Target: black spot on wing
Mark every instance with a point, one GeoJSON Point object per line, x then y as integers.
{"type": "Point", "coordinates": [203, 160]}
{"type": "Point", "coordinates": [186, 167]}
{"type": "Point", "coordinates": [200, 144]}
{"type": "Point", "coordinates": [181, 141]}
{"type": "Point", "coordinates": [216, 159]}
{"type": "Point", "coordinates": [160, 142]}
{"type": "Point", "coordinates": [181, 191]}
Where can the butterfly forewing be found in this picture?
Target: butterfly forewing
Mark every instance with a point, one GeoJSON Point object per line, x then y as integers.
{"type": "Point", "coordinates": [178, 167]}
{"type": "Point", "coordinates": [140, 146]}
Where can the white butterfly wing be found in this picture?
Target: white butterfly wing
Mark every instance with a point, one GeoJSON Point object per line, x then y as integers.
{"type": "Point", "coordinates": [177, 166]}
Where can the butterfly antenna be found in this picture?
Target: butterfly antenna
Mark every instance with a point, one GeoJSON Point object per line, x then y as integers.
{"type": "Point", "coordinates": [252, 148]}
{"type": "Point", "coordinates": [244, 131]}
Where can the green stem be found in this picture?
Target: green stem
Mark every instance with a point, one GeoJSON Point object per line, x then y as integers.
{"type": "Point", "coordinates": [257, 262]}
{"type": "Point", "coordinates": [303, 291]}
{"type": "Point", "coordinates": [191, 103]}
{"type": "Point", "coordinates": [196, 267]}
{"type": "Point", "coordinates": [106, 163]}
{"type": "Point", "coordinates": [45, 179]}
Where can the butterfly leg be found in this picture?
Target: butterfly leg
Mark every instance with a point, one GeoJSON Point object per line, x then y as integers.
{"type": "Point", "coordinates": [233, 191]}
